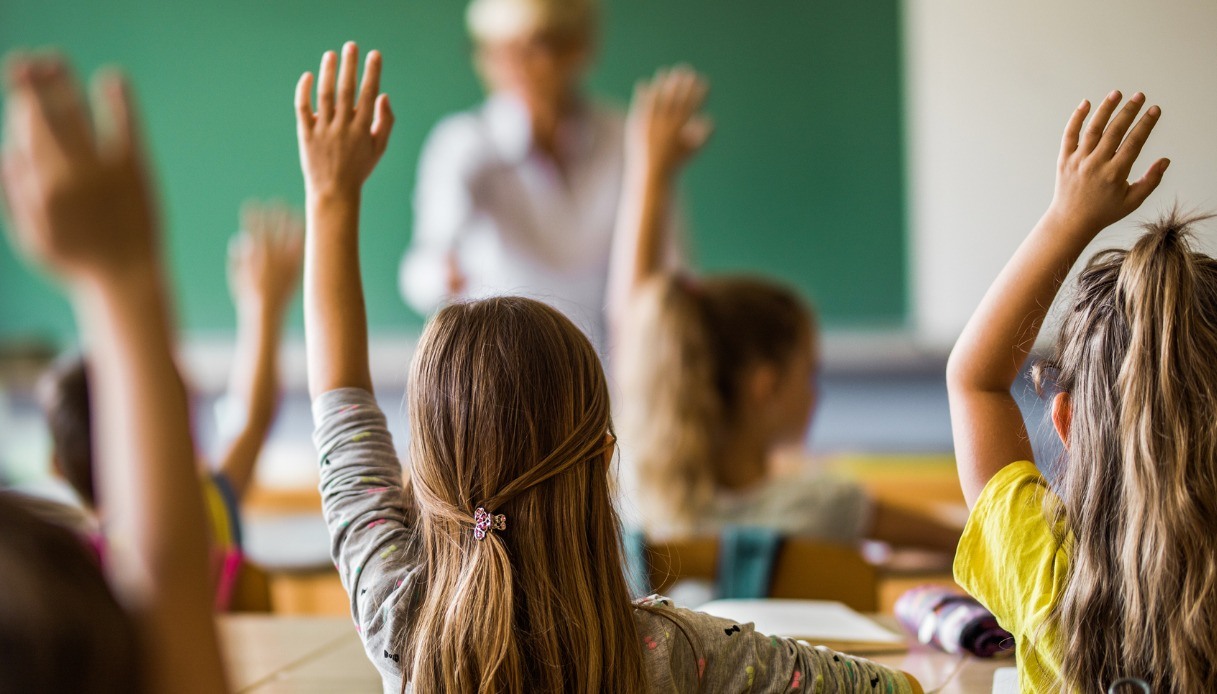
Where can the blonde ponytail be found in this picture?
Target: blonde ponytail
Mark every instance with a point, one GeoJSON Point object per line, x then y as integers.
{"type": "Point", "coordinates": [1138, 493]}
{"type": "Point", "coordinates": [672, 415]}
{"type": "Point", "coordinates": [683, 355]}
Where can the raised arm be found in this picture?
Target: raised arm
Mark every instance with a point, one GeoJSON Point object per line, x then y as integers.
{"type": "Point", "coordinates": [340, 143]}
{"type": "Point", "coordinates": [664, 129]}
{"type": "Point", "coordinates": [263, 271]}
{"type": "Point", "coordinates": [1092, 192]}
{"type": "Point", "coordinates": [81, 207]}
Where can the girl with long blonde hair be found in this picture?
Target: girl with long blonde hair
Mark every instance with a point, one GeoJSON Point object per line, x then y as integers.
{"type": "Point", "coordinates": [718, 375]}
{"type": "Point", "coordinates": [1107, 571]}
{"type": "Point", "coordinates": [498, 568]}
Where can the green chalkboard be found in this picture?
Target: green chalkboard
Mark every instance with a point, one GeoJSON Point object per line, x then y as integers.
{"type": "Point", "coordinates": [802, 181]}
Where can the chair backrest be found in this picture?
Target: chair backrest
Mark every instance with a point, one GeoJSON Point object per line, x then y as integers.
{"type": "Point", "coordinates": [251, 592]}
{"type": "Point", "coordinates": [803, 569]}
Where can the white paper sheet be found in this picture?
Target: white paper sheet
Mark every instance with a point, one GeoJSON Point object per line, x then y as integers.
{"type": "Point", "coordinates": [817, 620]}
{"type": "Point", "coordinates": [1005, 680]}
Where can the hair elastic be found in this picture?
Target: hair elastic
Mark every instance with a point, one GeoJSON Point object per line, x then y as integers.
{"type": "Point", "coordinates": [484, 523]}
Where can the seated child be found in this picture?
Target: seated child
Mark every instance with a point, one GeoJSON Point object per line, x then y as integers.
{"type": "Point", "coordinates": [719, 374]}
{"type": "Point", "coordinates": [1104, 570]}
{"type": "Point", "coordinates": [263, 272]}
{"type": "Point", "coordinates": [499, 567]}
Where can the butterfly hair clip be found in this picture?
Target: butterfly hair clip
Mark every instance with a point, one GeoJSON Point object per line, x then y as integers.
{"type": "Point", "coordinates": [484, 523]}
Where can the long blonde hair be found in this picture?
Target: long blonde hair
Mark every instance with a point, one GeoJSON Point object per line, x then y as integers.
{"type": "Point", "coordinates": [1138, 491]}
{"type": "Point", "coordinates": [681, 367]}
{"type": "Point", "coordinates": [509, 411]}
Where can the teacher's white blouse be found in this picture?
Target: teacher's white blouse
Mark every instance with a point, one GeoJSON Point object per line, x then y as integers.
{"type": "Point", "coordinates": [513, 221]}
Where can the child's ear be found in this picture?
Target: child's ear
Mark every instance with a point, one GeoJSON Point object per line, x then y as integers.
{"type": "Point", "coordinates": [1062, 416]}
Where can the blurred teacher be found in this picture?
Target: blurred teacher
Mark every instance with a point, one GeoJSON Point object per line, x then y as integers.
{"type": "Point", "coordinates": [519, 195]}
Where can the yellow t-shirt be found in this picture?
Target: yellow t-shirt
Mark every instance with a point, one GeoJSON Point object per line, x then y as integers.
{"type": "Point", "coordinates": [1010, 560]}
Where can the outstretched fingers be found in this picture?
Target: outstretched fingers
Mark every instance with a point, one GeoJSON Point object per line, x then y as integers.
{"type": "Point", "coordinates": [14, 177]}
{"type": "Point", "coordinates": [382, 123]}
{"type": "Point", "coordinates": [115, 113]}
{"type": "Point", "coordinates": [305, 117]}
{"type": "Point", "coordinates": [1130, 149]}
{"type": "Point", "coordinates": [697, 132]}
{"type": "Point", "coordinates": [1073, 129]}
{"type": "Point", "coordinates": [59, 123]}
{"type": "Point", "coordinates": [370, 87]}
{"type": "Point", "coordinates": [325, 86]}
{"type": "Point", "coordinates": [1139, 191]}
{"type": "Point", "coordinates": [1119, 125]}
{"type": "Point", "coordinates": [346, 81]}
{"type": "Point", "coordinates": [1098, 123]}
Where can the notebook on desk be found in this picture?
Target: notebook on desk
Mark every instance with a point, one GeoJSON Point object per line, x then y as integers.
{"type": "Point", "coordinates": [819, 622]}
{"type": "Point", "coordinates": [1005, 680]}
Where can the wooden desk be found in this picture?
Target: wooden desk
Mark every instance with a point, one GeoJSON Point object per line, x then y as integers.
{"type": "Point", "coordinates": [307, 655]}
{"type": "Point", "coordinates": [268, 654]}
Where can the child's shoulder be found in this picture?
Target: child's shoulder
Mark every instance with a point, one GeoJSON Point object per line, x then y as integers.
{"type": "Point", "coordinates": [818, 505]}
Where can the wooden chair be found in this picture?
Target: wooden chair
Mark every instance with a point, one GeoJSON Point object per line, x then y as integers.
{"type": "Point", "coordinates": [803, 569]}
{"type": "Point", "coordinates": [252, 591]}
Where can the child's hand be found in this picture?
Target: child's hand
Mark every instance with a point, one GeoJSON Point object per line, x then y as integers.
{"type": "Point", "coordinates": [1092, 188]}
{"type": "Point", "coordinates": [341, 142]}
{"type": "Point", "coordinates": [264, 259]}
{"type": "Point", "coordinates": [78, 195]}
{"type": "Point", "coordinates": [665, 126]}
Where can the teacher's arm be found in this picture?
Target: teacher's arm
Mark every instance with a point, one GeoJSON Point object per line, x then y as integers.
{"type": "Point", "coordinates": [431, 271]}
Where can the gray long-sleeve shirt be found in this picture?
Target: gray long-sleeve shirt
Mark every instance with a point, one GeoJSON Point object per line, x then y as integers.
{"type": "Point", "coordinates": [362, 499]}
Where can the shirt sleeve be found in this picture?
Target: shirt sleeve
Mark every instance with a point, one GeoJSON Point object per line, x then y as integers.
{"type": "Point", "coordinates": [443, 209]}
{"type": "Point", "coordinates": [1010, 558]}
{"type": "Point", "coordinates": [362, 501]}
{"type": "Point", "coordinates": [706, 653]}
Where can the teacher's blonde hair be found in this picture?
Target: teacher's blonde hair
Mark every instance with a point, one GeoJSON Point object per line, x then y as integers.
{"type": "Point", "coordinates": [571, 21]}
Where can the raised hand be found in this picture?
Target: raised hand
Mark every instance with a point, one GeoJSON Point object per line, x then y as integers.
{"type": "Point", "coordinates": [1092, 188]}
{"type": "Point", "coordinates": [340, 144]}
{"type": "Point", "coordinates": [77, 191]}
{"type": "Point", "coordinates": [81, 206]}
{"type": "Point", "coordinates": [665, 125]}
{"type": "Point", "coordinates": [264, 259]}
{"type": "Point", "coordinates": [1092, 192]}
{"type": "Point", "coordinates": [343, 139]}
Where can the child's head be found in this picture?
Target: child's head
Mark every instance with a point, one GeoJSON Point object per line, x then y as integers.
{"type": "Point", "coordinates": [61, 629]}
{"type": "Point", "coordinates": [704, 364]}
{"type": "Point", "coordinates": [534, 49]}
{"type": "Point", "coordinates": [509, 412]}
{"type": "Point", "coordinates": [1136, 364]}
{"type": "Point", "coordinates": [63, 393]}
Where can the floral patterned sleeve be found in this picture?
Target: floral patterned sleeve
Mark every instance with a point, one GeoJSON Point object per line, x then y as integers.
{"type": "Point", "coordinates": [361, 499]}
{"type": "Point", "coordinates": [689, 651]}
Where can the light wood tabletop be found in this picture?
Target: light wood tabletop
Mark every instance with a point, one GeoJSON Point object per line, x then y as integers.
{"type": "Point", "coordinates": [269, 654]}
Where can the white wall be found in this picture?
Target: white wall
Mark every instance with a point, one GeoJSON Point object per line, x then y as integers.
{"type": "Point", "coordinates": [989, 87]}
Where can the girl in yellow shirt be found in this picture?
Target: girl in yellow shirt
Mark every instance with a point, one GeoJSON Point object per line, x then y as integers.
{"type": "Point", "coordinates": [1110, 572]}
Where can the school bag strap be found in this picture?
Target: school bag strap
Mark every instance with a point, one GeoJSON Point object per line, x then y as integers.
{"type": "Point", "coordinates": [746, 557]}
{"type": "Point", "coordinates": [637, 568]}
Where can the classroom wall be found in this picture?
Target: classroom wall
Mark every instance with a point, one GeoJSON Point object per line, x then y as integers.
{"type": "Point", "coordinates": [802, 181]}
{"type": "Point", "coordinates": [989, 87]}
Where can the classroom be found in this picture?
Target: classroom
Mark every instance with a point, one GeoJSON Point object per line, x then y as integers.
{"type": "Point", "coordinates": [608, 345]}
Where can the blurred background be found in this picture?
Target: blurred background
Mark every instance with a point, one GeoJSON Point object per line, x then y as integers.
{"type": "Point", "coordinates": [885, 157]}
